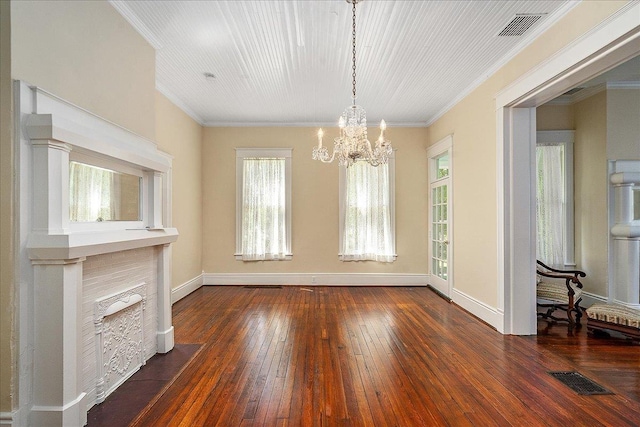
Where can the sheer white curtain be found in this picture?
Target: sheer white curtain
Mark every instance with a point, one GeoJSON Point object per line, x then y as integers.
{"type": "Point", "coordinates": [90, 194]}
{"type": "Point", "coordinates": [264, 232]}
{"type": "Point", "coordinates": [367, 231]}
{"type": "Point", "coordinates": [550, 204]}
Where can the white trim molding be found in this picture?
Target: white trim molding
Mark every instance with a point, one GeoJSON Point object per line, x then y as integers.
{"type": "Point", "coordinates": [318, 279]}
{"type": "Point", "coordinates": [609, 44]}
{"type": "Point", "coordinates": [476, 307]}
{"type": "Point", "coordinates": [589, 298]}
{"type": "Point", "coordinates": [186, 288]}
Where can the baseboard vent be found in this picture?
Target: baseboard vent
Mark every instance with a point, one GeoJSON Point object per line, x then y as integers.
{"type": "Point", "coordinates": [579, 383]}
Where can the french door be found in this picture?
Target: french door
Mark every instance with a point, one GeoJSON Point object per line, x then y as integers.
{"type": "Point", "coordinates": [440, 232]}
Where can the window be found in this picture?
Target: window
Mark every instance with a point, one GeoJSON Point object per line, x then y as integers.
{"type": "Point", "coordinates": [367, 212]}
{"type": "Point", "coordinates": [554, 198]}
{"type": "Point", "coordinates": [263, 204]}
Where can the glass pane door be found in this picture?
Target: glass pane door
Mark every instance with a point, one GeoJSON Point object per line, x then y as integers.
{"type": "Point", "coordinates": [439, 230]}
{"type": "Point", "coordinates": [440, 247]}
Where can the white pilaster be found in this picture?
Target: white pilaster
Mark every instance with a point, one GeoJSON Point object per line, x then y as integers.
{"type": "Point", "coordinates": [165, 326]}
{"type": "Point", "coordinates": [58, 398]}
{"type": "Point", "coordinates": [51, 186]}
{"type": "Point", "coordinates": [154, 200]}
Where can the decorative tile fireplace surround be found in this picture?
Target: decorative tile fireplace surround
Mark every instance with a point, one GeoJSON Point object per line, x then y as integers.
{"type": "Point", "coordinates": [94, 298]}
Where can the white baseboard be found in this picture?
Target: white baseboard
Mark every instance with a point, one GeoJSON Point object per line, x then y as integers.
{"type": "Point", "coordinates": [319, 279]}
{"type": "Point", "coordinates": [588, 299]}
{"type": "Point", "coordinates": [626, 304]}
{"type": "Point", "coordinates": [479, 309]}
{"type": "Point", "coordinates": [185, 289]}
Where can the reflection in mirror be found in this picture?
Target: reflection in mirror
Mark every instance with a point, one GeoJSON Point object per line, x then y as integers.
{"type": "Point", "coordinates": [98, 194]}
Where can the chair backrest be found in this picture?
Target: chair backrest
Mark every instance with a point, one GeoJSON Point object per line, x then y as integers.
{"type": "Point", "coordinates": [570, 276]}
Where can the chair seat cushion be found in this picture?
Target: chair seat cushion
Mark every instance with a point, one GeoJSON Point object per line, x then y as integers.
{"type": "Point", "coordinates": [556, 292]}
{"type": "Point", "coordinates": [615, 313]}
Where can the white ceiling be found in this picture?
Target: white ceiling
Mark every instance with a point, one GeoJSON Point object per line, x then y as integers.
{"type": "Point", "coordinates": [288, 62]}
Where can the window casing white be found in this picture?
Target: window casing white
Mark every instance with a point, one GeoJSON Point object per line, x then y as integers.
{"type": "Point", "coordinates": [558, 142]}
{"type": "Point", "coordinates": [273, 241]}
{"type": "Point", "coordinates": [376, 238]}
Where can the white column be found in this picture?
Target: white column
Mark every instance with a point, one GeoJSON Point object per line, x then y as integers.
{"type": "Point", "coordinates": [626, 241]}
{"type": "Point", "coordinates": [165, 324]}
{"type": "Point", "coordinates": [50, 187]}
{"type": "Point", "coordinates": [58, 398]}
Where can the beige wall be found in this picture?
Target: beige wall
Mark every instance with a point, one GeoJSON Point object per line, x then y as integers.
{"type": "Point", "coordinates": [86, 53]}
{"type": "Point", "coordinates": [555, 117]}
{"type": "Point", "coordinates": [6, 206]}
{"type": "Point", "coordinates": [473, 124]}
{"type": "Point", "coordinates": [623, 124]}
{"type": "Point", "coordinates": [590, 186]}
{"type": "Point", "coordinates": [179, 135]}
{"type": "Point", "coordinates": [314, 200]}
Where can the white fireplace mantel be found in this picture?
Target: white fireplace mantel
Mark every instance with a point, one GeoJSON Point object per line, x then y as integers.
{"type": "Point", "coordinates": [76, 245]}
{"type": "Point", "coordinates": [53, 250]}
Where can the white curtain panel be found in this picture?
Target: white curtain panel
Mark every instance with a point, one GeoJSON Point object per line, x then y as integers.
{"type": "Point", "coordinates": [550, 204]}
{"type": "Point", "coordinates": [90, 194]}
{"type": "Point", "coordinates": [263, 210]}
{"type": "Point", "coordinates": [367, 223]}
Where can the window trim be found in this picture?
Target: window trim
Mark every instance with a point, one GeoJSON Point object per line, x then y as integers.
{"type": "Point", "coordinates": [342, 182]}
{"type": "Point", "coordinates": [564, 138]}
{"type": "Point", "coordinates": [244, 153]}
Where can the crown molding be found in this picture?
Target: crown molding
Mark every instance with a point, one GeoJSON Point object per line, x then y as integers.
{"type": "Point", "coordinates": [136, 23]}
{"type": "Point", "coordinates": [304, 124]}
{"type": "Point", "coordinates": [179, 103]}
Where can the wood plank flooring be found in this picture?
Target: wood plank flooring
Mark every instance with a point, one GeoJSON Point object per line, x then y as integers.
{"type": "Point", "coordinates": [380, 356]}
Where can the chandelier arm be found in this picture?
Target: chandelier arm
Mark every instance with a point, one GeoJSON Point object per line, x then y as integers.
{"type": "Point", "coordinates": [369, 149]}
{"type": "Point", "coordinates": [329, 160]}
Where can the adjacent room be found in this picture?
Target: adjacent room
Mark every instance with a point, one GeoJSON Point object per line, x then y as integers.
{"type": "Point", "coordinates": [319, 212]}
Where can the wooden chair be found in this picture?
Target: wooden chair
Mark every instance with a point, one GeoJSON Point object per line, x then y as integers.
{"type": "Point", "coordinates": [563, 293]}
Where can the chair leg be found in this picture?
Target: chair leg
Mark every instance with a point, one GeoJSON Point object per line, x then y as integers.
{"type": "Point", "coordinates": [578, 311]}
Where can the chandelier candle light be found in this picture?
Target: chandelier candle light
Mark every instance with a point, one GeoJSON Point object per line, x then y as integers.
{"type": "Point", "coordinates": [353, 144]}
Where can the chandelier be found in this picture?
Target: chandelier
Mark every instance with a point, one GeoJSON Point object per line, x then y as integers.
{"type": "Point", "coordinates": [353, 144]}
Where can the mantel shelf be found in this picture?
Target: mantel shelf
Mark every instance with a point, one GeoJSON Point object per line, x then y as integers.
{"type": "Point", "coordinates": [77, 245]}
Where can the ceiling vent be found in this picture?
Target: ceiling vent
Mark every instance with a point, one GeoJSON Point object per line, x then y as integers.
{"type": "Point", "coordinates": [572, 91]}
{"type": "Point", "coordinates": [520, 23]}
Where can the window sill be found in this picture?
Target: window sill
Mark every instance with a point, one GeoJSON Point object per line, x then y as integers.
{"type": "Point", "coordinates": [287, 257]}
{"type": "Point", "coordinates": [350, 258]}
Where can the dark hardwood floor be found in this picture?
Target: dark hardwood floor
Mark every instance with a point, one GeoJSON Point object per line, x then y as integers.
{"type": "Point", "coordinates": [380, 356]}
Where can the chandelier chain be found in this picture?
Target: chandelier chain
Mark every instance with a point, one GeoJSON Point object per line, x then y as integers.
{"type": "Point", "coordinates": [353, 145]}
{"type": "Point", "coordinates": [353, 67]}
